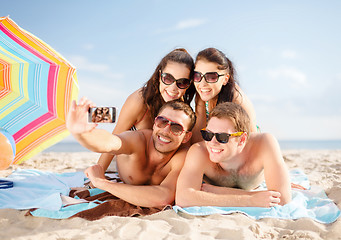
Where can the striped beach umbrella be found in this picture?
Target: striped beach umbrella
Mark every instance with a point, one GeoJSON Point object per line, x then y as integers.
{"type": "Point", "coordinates": [37, 86]}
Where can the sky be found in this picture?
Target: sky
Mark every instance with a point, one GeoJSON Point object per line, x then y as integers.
{"type": "Point", "coordinates": [287, 54]}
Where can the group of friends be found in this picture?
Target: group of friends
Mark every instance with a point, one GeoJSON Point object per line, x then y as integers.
{"type": "Point", "coordinates": [166, 153]}
{"type": "Point", "coordinates": [101, 115]}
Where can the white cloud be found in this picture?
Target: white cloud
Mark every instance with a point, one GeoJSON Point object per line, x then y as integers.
{"type": "Point", "coordinates": [100, 94]}
{"type": "Point", "coordinates": [261, 98]}
{"type": "Point", "coordinates": [184, 24]}
{"type": "Point", "coordinates": [289, 54]}
{"type": "Point", "coordinates": [296, 77]}
{"type": "Point", "coordinates": [189, 23]}
{"type": "Point", "coordinates": [82, 63]}
{"type": "Point", "coordinates": [291, 127]}
{"type": "Point", "coordinates": [88, 46]}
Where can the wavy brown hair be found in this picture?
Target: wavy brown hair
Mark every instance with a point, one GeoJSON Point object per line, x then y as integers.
{"type": "Point", "coordinates": [226, 93]}
{"type": "Point", "coordinates": [151, 91]}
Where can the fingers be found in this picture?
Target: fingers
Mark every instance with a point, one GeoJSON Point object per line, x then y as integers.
{"type": "Point", "coordinates": [86, 103]}
{"type": "Point", "coordinates": [275, 194]}
{"type": "Point", "coordinates": [297, 186]}
{"type": "Point", "coordinates": [73, 105]}
{"type": "Point", "coordinates": [274, 198]}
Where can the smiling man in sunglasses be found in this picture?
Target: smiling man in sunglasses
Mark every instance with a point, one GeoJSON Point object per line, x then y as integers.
{"type": "Point", "coordinates": [230, 162]}
{"type": "Point", "coordinates": [148, 161]}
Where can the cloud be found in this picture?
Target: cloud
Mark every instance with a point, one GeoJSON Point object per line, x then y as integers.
{"type": "Point", "coordinates": [295, 77]}
{"type": "Point", "coordinates": [184, 24]}
{"type": "Point", "coordinates": [88, 46]}
{"type": "Point", "coordinates": [189, 23]}
{"type": "Point", "coordinates": [83, 64]}
{"type": "Point", "coordinates": [289, 54]}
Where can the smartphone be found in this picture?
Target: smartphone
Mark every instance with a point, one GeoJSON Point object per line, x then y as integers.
{"type": "Point", "coordinates": [102, 115]}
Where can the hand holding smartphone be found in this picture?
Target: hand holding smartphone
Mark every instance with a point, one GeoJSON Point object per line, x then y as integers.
{"type": "Point", "coordinates": [102, 115]}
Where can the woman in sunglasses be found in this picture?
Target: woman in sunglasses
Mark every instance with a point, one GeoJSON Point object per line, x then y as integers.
{"type": "Point", "coordinates": [214, 80]}
{"type": "Point", "coordinates": [171, 80]}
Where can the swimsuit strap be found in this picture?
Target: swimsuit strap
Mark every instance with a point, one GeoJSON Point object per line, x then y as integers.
{"type": "Point", "coordinates": [207, 111]}
{"type": "Point", "coordinates": [142, 117]}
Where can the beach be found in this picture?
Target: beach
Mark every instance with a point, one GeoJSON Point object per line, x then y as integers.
{"type": "Point", "coordinates": [323, 168]}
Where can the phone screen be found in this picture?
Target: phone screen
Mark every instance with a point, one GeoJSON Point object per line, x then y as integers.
{"type": "Point", "coordinates": [102, 115]}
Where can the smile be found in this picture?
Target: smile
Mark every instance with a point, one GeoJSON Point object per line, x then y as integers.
{"type": "Point", "coordinates": [162, 139]}
{"type": "Point", "coordinates": [172, 95]}
{"type": "Point", "coordinates": [205, 90]}
{"type": "Point", "coordinates": [213, 150]}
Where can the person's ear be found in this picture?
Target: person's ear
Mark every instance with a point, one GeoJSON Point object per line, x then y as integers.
{"type": "Point", "coordinates": [242, 140]}
{"type": "Point", "coordinates": [226, 79]}
{"type": "Point", "coordinates": [187, 137]}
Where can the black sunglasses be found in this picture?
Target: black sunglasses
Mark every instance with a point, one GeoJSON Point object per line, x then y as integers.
{"type": "Point", "coordinates": [181, 83]}
{"type": "Point", "coordinates": [210, 77]}
{"type": "Point", "coordinates": [162, 122]}
{"type": "Point", "coordinates": [221, 137]}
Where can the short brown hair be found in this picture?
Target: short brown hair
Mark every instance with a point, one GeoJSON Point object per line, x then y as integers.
{"type": "Point", "coordinates": [181, 106]}
{"type": "Point", "coordinates": [233, 112]}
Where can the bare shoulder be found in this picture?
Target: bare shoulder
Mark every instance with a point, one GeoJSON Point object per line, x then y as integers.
{"type": "Point", "coordinates": [197, 154]}
{"type": "Point", "coordinates": [264, 147]}
{"type": "Point", "coordinates": [132, 110]}
{"type": "Point", "coordinates": [136, 137]}
{"type": "Point", "coordinates": [241, 98]}
{"type": "Point", "coordinates": [262, 140]}
{"type": "Point", "coordinates": [136, 99]}
{"type": "Point", "coordinates": [267, 139]}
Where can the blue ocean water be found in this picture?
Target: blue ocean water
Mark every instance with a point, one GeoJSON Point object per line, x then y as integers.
{"type": "Point", "coordinates": [285, 145]}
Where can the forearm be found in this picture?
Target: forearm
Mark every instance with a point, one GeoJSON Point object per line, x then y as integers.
{"type": "Point", "coordinates": [192, 197]}
{"type": "Point", "coordinates": [140, 195]}
{"type": "Point", "coordinates": [105, 160]}
{"type": "Point", "coordinates": [99, 140]}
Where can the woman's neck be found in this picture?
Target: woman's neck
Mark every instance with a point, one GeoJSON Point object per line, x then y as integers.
{"type": "Point", "coordinates": [212, 103]}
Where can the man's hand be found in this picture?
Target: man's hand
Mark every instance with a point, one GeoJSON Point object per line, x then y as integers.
{"type": "Point", "coordinates": [77, 118]}
{"type": "Point", "coordinates": [96, 175]}
{"type": "Point", "coordinates": [265, 198]}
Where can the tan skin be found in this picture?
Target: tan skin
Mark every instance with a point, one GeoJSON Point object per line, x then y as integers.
{"type": "Point", "coordinates": [149, 161]}
{"type": "Point", "coordinates": [134, 111]}
{"type": "Point", "coordinates": [232, 169]}
{"type": "Point", "coordinates": [209, 92]}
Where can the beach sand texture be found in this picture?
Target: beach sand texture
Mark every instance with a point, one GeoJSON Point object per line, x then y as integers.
{"type": "Point", "coordinates": [323, 168]}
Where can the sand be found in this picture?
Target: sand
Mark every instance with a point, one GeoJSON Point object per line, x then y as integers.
{"type": "Point", "coordinates": [323, 168]}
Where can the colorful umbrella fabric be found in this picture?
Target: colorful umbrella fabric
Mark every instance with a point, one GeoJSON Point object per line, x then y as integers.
{"type": "Point", "coordinates": [37, 86]}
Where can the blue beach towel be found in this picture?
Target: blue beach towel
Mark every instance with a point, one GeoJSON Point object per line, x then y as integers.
{"type": "Point", "coordinates": [312, 203]}
{"type": "Point", "coordinates": [38, 189]}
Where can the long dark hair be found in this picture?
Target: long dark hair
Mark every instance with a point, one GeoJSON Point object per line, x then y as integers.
{"type": "Point", "coordinates": [226, 93]}
{"type": "Point", "coordinates": [151, 92]}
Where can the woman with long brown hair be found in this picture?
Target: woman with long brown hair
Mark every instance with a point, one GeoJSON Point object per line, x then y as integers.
{"type": "Point", "coordinates": [171, 80]}
{"type": "Point", "coordinates": [215, 82]}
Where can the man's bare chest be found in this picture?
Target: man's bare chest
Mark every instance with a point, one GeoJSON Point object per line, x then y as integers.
{"type": "Point", "coordinates": [140, 172]}
{"type": "Point", "coordinates": [245, 179]}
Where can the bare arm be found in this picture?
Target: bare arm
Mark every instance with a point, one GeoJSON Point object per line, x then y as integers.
{"type": "Point", "coordinates": [131, 110]}
{"type": "Point", "coordinates": [245, 102]}
{"type": "Point", "coordinates": [275, 170]}
{"type": "Point", "coordinates": [141, 195]}
{"type": "Point", "coordinates": [97, 140]}
{"type": "Point", "coordinates": [200, 111]}
{"type": "Point", "coordinates": [191, 192]}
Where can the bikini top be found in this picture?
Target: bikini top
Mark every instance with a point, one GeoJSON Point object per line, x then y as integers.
{"type": "Point", "coordinates": [133, 128]}
{"type": "Point", "coordinates": [207, 111]}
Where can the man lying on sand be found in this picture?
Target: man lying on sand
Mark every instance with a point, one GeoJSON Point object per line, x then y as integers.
{"type": "Point", "coordinates": [231, 161]}
{"type": "Point", "coordinates": [148, 161]}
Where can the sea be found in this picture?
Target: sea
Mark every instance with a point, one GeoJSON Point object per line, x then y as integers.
{"type": "Point", "coordinates": [284, 144]}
